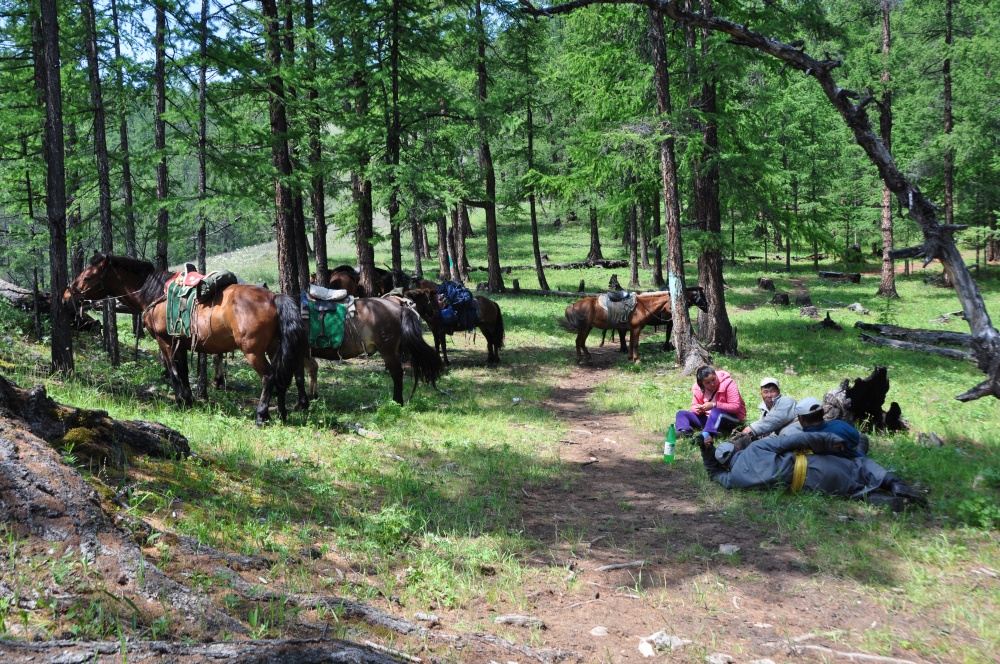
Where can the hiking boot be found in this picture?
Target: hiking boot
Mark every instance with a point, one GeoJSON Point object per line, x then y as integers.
{"type": "Point", "coordinates": [895, 503]}
{"type": "Point", "coordinates": [907, 492]}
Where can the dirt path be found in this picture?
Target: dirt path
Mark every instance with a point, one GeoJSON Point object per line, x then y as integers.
{"type": "Point", "coordinates": [628, 506]}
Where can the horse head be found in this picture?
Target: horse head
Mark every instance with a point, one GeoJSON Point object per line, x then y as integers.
{"type": "Point", "coordinates": [695, 296]}
{"type": "Point", "coordinates": [423, 299]}
{"type": "Point", "coordinates": [89, 284]}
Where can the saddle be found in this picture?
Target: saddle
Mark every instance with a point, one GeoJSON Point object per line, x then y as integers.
{"type": "Point", "coordinates": [188, 286]}
{"type": "Point", "coordinates": [325, 311]}
{"type": "Point", "coordinates": [618, 306]}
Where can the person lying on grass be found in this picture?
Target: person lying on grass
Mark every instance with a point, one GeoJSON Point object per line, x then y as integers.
{"type": "Point", "coordinates": [777, 411]}
{"type": "Point", "coordinates": [808, 461]}
{"type": "Point", "coordinates": [810, 419]}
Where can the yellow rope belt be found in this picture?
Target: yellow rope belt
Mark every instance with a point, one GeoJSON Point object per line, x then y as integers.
{"type": "Point", "coordinates": [801, 467]}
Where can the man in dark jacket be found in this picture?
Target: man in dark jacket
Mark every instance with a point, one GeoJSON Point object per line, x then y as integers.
{"type": "Point", "coordinates": [808, 461]}
{"type": "Point", "coordinates": [810, 419]}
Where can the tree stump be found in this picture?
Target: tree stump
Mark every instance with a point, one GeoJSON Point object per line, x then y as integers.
{"type": "Point", "coordinates": [861, 404]}
{"type": "Point", "coordinates": [803, 300]}
{"type": "Point", "coordinates": [828, 323]}
{"type": "Point", "coordinates": [613, 283]}
{"type": "Point", "coordinates": [764, 283]}
{"type": "Point", "coordinates": [780, 298]}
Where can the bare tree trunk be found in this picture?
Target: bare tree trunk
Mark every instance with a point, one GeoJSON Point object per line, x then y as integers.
{"type": "Point", "coordinates": [110, 318]}
{"type": "Point", "coordinates": [458, 233]}
{"type": "Point", "coordinates": [633, 241]}
{"type": "Point", "coordinates": [294, 185]}
{"type": "Point", "coordinates": [949, 123]}
{"type": "Point", "coordinates": [202, 171]}
{"type": "Point", "coordinates": [887, 287]}
{"type": "Point", "coordinates": [160, 135]}
{"type": "Point", "coordinates": [495, 279]}
{"type": "Point", "coordinates": [393, 141]}
{"type": "Point", "coordinates": [686, 345]}
{"type": "Point", "coordinates": [361, 190]}
{"type": "Point", "coordinates": [130, 243]}
{"type": "Point", "coordinates": [418, 268]}
{"type": "Point", "coordinates": [318, 195]}
{"type": "Point", "coordinates": [595, 238]}
{"type": "Point", "coordinates": [444, 257]}
{"type": "Point", "coordinates": [717, 332]}
{"type": "Point", "coordinates": [288, 278]}
{"type": "Point", "coordinates": [535, 248]}
{"type": "Point", "coordinates": [643, 229]}
{"type": "Point", "coordinates": [425, 241]}
{"type": "Point", "coordinates": [993, 244]}
{"type": "Point", "coordinates": [657, 251]}
{"type": "Point", "coordinates": [455, 274]}
{"type": "Point", "coordinates": [55, 185]}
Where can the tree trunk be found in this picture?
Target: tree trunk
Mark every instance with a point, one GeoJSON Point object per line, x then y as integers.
{"type": "Point", "coordinates": [202, 172]}
{"type": "Point", "coordinates": [318, 195]}
{"type": "Point", "coordinates": [595, 238]}
{"type": "Point", "coordinates": [993, 244]}
{"type": "Point", "coordinates": [657, 251]}
{"type": "Point", "coordinates": [393, 142]}
{"type": "Point", "coordinates": [535, 248]}
{"type": "Point", "coordinates": [643, 229]}
{"type": "Point", "coordinates": [949, 123]}
{"type": "Point", "coordinates": [714, 329]}
{"type": "Point", "coordinates": [131, 250]}
{"type": "Point", "coordinates": [294, 185]}
{"type": "Point", "coordinates": [633, 243]}
{"type": "Point", "coordinates": [110, 319]}
{"type": "Point", "coordinates": [361, 190]}
{"type": "Point", "coordinates": [288, 278]}
{"type": "Point", "coordinates": [887, 287]}
{"type": "Point", "coordinates": [55, 187]}
{"type": "Point", "coordinates": [687, 347]}
{"type": "Point", "coordinates": [495, 279]}
{"type": "Point", "coordinates": [418, 268]}
{"type": "Point", "coordinates": [461, 266]}
{"type": "Point", "coordinates": [444, 257]}
{"type": "Point", "coordinates": [160, 135]}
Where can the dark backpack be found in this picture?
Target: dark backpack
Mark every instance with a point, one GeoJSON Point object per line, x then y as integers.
{"type": "Point", "coordinates": [452, 294]}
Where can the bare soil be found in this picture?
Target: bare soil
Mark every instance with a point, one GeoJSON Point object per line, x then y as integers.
{"type": "Point", "coordinates": [628, 505]}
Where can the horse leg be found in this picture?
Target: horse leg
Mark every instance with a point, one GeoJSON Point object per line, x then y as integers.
{"type": "Point", "coordinates": [219, 369]}
{"type": "Point", "coordinates": [395, 369]}
{"type": "Point", "coordinates": [166, 355]}
{"type": "Point", "coordinates": [182, 386]}
{"type": "Point", "coordinates": [633, 344]}
{"type": "Point", "coordinates": [581, 345]}
{"type": "Point", "coordinates": [263, 369]}
{"type": "Point", "coordinates": [666, 340]}
{"type": "Point", "coordinates": [621, 340]}
{"type": "Point", "coordinates": [441, 345]}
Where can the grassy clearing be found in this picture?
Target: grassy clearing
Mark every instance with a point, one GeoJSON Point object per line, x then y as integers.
{"type": "Point", "coordinates": [426, 509]}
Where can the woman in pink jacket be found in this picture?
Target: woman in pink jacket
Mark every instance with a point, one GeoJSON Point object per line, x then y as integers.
{"type": "Point", "coordinates": [716, 405]}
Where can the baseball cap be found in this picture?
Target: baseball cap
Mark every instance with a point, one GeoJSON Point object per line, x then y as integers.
{"type": "Point", "coordinates": [764, 382]}
{"type": "Point", "coordinates": [807, 406]}
{"type": "Point", "coordinates": [724, 453]}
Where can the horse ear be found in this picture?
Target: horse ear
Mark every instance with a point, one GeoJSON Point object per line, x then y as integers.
{"type": "Point", "coordinates": [97, 257]}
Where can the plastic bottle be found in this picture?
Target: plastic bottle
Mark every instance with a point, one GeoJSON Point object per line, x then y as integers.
{"type": "Point", "coordinates": [670, 445]}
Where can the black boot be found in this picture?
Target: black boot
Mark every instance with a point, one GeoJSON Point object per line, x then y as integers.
{"type": "Point", "coordinates": [898, 487]}
{"type": "Point", "coordinates": [895, 503]}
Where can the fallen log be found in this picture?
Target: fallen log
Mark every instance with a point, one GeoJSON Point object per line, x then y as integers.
{"type": "Point", "coordinates": [950, 353]}
{"type": "Point", "coordinates": [564, 266]}
{"type": "Point", "coordinates": [925, 336]}
{"type": "Point", "coordinates": [272, 651]}
{"type": "Point", "coordinates": [853, 277]}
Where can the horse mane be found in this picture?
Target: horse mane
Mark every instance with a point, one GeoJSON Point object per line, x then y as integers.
{"type": "Point", "coordinates": [155, 280]}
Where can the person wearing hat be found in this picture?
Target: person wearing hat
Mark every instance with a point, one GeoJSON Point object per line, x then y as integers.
{"type": "Point", "coordinates": [808, 461]}
{"type": "Point", "coordinates": [716, 405]}
{"type": "Point", "coordinates": [777, 411]}
{"type": "Point", "coordinates": [810, 420]}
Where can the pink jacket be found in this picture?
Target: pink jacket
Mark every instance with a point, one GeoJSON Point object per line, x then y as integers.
{"type": "Point", "coordinates": [727, 396]}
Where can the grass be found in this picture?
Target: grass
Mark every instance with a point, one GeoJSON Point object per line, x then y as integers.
{"type": "Point", "coordinates": [428, 511]}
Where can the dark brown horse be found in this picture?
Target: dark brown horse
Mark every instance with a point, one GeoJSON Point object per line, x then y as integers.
{"type": "Point", "coordinates": [265, 326]}
{"type": "Point", "coordinates": [490, 322]}
{"type": "Point", "coordinates": [695, 296]}
{"type": "Point", "coordinates": [383, 326]}
{"type": "Point", "coordinates": [584, 315]}
{"type": "Point", "coordinates": [345, 277]}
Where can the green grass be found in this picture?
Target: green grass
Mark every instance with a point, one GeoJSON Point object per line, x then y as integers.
{"type": "Point", "coordinates": [430, 507]}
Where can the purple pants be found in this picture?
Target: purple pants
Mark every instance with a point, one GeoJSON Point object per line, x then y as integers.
{"type": "Point", "coordinates": [717, 420]}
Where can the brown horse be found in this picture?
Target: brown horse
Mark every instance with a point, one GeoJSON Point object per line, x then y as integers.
{"type": "Point", "coordinates": [584, 315]}
{"type": "Point", "coordinates": [695, 296]}
{"type": "Point", "coordinates": [345, 277]}
{"type": "Point", "coordinates": [265, 326]}
{"type": "Point", "coordinates": [490, 322]}
{"type": "Point", "coordinates": [382, 326]}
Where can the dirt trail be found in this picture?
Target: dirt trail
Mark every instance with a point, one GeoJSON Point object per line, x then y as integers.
{"type": "Point", "coordinates": [630, 506]}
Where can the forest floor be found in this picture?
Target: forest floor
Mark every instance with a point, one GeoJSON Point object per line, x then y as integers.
{"type": "Point", "coordinates": [765, 602]}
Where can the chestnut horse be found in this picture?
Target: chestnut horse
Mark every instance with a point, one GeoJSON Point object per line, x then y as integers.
{"type": "Point", "coordinates": [490, 322]}
{"type": "Point", "coordinates": [382, 326]}
{"type": "Point", "coordinates": [584, 315]}
{"type": "Point", "coordinates": [695, 296]}
{"type": "Point", "coordinates": [265, 326]}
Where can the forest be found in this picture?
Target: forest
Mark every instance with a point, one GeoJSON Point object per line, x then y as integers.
{"type": "Point", "coordinates": [512, 146]}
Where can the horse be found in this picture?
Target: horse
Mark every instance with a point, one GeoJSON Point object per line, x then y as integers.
{"type": "Point", "coordinates": [584, 315]}
{"type": "Point", "coordinates": [381, 325]}
{"type": "Point", "coordinates": [265, 326]}
{"type": "Point", "coordinates": [490, 322]}
{"type": "Point", "coordinates": [695, 296]}
{"type": "Point", "coordinates": [345, 277]}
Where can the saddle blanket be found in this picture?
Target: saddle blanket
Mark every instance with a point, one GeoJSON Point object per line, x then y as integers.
{"type": "Point", "coordinates": [618, 313]}
{"type": "Point", "coordinates": [180, 304]}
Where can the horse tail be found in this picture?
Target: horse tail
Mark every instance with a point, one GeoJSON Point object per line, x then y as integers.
{"type": "Point", "coordinates": [293, 341]}
{"type": "Point", "coordinates": [423, 358]}
{"type": "Point", "coordinates": [573, 321]}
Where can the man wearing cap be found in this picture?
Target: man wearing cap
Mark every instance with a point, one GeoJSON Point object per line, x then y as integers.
{"type": "Point", "coordinates": [810, 420]}
{"type": "Point", "coordinates": [807, 461]}
{"type": "Point", "coordinates": [777, 411]}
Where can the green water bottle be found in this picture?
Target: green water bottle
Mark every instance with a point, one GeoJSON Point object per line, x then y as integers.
{"type": "Point", "coordinates": [669, 445]}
